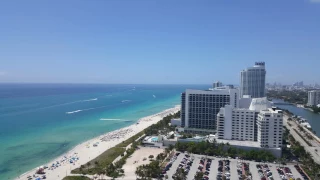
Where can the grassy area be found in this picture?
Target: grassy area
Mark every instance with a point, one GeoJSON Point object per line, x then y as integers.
{"type": "Point", "coordinates": [130, 140]}
{"type": "Point", "coordinates": [76, 178]}
{"type": "Point", "coordinates": [99, 163]}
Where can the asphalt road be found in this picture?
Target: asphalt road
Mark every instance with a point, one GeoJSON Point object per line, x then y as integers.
{"type": "Point", "coordinates": [311, 150]}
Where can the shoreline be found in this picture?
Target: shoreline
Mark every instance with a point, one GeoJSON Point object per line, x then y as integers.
{"type": "Point", "coordinates": [85, 151]}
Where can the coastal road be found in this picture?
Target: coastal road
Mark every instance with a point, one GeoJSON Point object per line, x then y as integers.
{"type": "Point", "coordinates": [314, 150]}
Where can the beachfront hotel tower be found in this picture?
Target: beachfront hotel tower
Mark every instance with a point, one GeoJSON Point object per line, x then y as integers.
{"type": "Point", "coordinates": [252, 81]}
{"type": "Point", "coordinates": [313, 98]}
{"type": "Point", "coordinates": [259, 122]}
{"type": "Point", "coordinates": [199, 108]}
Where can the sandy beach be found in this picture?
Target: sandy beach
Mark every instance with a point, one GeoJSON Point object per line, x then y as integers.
{"type": "Point", "coordinates": [137, 160]}
{"type": "Point", "coordinates": [86, 151]}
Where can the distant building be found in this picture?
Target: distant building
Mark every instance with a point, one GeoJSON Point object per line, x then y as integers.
{"type": "Point", "coordinates": [313, 98]}
{"type": "Point", "coordinates": [199, 108]}
{"type": "Point", "coordinates": [299, 84]}
{"type": "Point", "coordinates": [253, 81]}
{"type": "Point", "coordinates": [230, 86]}
{"type": "Point", "coordinates": [217, 84]}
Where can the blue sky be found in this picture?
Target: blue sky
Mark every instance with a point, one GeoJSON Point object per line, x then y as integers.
{"type": "Point", "coordinates": [163, 41]}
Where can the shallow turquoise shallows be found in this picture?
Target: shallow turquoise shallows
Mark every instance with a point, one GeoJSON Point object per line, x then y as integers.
{"type": "Point", "coordinates": [39, 122]}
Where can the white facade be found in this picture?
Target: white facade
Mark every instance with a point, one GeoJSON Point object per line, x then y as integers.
{"type": "Point", "coordinates": [176, 122]}
{"type": "Point", "coordinates": [236, 124]}
{"type": "Point", "coordinates": [259, 123]}
{"type": "Point", "coordinates": [253, 81]}
{"type": "Point", "coordinates": [270, 124]}
{"type": "Point", "coordinates": [313, 98]}
{"type": "Point", "coordinates": [199, 108]}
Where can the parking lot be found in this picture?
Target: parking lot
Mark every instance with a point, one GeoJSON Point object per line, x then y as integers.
{"type": "Point", "coordinates": [215, 168]}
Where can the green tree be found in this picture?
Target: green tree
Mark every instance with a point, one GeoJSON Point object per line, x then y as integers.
{"type": "Point", "coordinates": [199, 176]}
{"type": "Point", "coordinates": [171, 147]}
{"type": "Point", "coordinates": [180, 175]}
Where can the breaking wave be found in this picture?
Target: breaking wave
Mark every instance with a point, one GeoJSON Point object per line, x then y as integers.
{"type": "Point", "coordinates": [95, 99]}
{"type": "Point", "coordinates": [71, 112]}
{"type": "Point", "coordinates": [52, 106]}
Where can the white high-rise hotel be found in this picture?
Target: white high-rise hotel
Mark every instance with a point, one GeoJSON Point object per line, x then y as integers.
{"type": "Point", "coordinates": [246, 120]}
{"type": "Point", "coordinates": [313, 98]}
{"type": "Point", "coordinates": [253, 81]}
{"type": "Point", "coordinates": [259, 122]}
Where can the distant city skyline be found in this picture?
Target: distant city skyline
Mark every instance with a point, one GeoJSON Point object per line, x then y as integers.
{"type": "Point", "coordinates": [158, 42]}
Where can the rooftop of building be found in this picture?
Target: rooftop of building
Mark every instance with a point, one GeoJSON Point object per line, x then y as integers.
{"type": "Point", "coordinates": [239, 143]}
{"type": "Point", "coordinates": [254, 144]}
{"type": "Point", "coordinates": [271, 110]}
{"type": "Point", "coordinates": [315, 91]}
{"type": "Point", "coordinates": [259, 104]}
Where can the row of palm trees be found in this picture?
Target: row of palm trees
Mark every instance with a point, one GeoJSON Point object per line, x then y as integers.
{"type": "Point", "coordinates": [225, 150]}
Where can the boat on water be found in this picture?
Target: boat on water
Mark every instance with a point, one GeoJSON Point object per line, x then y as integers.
{"type": "Point", "coordinates": [304, 122]}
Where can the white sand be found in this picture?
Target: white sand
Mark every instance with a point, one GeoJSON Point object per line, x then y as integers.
{"type": "Point", "coordinates": [136, 160]}
{"type": "Point", "coordinates": [86, 152]}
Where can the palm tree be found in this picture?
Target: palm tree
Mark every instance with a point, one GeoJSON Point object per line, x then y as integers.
{"type": "Point", "coordinates": [88, 165]}
{"type": "Point", "coordinates": [181, 174]}
{"type": "Point", "coordinates": [167, 150]}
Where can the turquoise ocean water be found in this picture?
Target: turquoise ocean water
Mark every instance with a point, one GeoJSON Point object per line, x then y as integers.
{"type": "Point", "coordinates": [39, 122]}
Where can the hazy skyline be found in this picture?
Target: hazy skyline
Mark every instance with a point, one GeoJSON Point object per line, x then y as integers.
{"type": "Point", "coordinates": [158, 42]}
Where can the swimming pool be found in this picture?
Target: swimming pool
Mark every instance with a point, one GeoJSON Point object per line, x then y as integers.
{"type": "Point", "coordinates": [154, 139]}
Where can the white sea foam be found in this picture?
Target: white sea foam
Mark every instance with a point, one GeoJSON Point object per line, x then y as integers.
{"type": "Point", "coordinates": [95, 99]}
{"type": "Point", "coordinates": [154, 96]}
{"type": "Point", "coordinates": [56, 105]}
{"type": "Point", "coordinates": [71, 112]}
{"type": "Point", "coordinates": [125, 101]}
